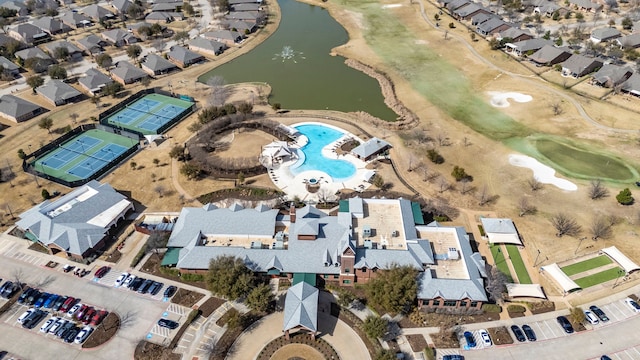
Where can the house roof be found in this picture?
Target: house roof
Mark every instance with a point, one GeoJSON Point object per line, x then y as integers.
{"type": "Point", "coordinates": [632, 40]}
{"type": "Point", "coordinates": [90, 42]}
{"type": "Point", "coordinates": [159, 15]}
{"type": "Point", "coordinates": [184, 55]}
{"type": "Point", "coordinates": [77, 221]}
{"type": "Point", "coordinates": [240, 25]}
{"type": "Point", "coordinates": [243, 15]}
{"type": "Point", "coordinates": [116, 35]}
{"type": "Point", "coordinates": [530, 44]}
{"type": "Point", "coordinates": [605, 33]}
{"type": "Point", "coordinates": [16, 107]}
{"type": "Point", "coordinates": [578, 63]}
{"type": "Point", "coordinates": [513, 33]}
{"type": "Point", "coordinates": [47, 23]}
{"type": "Point", "coordinates": [207, 44]}
{"type": "Point", "coordinates": [547, 54]}
{"type": "Point", "coordinates": [587, 4]}
{"type": "Point", "coordinates": [5, 63]}
{"type": "Point", "coordinates": [5, 39]}
{"type": "Point", "coordinates": [94, 79]}
{"type": "Point", "coordinates": [121, 5]}
{"type": "Point", "coordinates": [455, 4]}
{"type": "Point", "coordinates": [128, 72]}
{"type": "Point", "coordinates": [612, 73]}
{"type": "Point", "coordinates": [157, 63]}
{"type": "Point", "coordinates": [56, 90]}
{"type": "Point", "coordinates": [490, 25]}
{"type": "Point", "coordinates": [246, 7]}
{"type": "Point", "coordinates": [632, 84]}
{"type": "Point", "coordinates": [14, 5]}
{"type": "Point", "coordinates": [370, 147]}
{"type": "Point", "coordinates": [52, 46]}
{"type": "Point", "coordinates": [97, 12]}
{"type": "Point", "coordinates": [27, 31]}
{"type": "Point", "coordinates": [482, 17]}
{"type": "Point", "coordinates": [500, 231]}
{"type": "Point", "coordinates": [301, 307]}
{"type": "Point", "coordinates": [468, 9]}
{"type": "Point", "coordinates": [75, 18]}
{"type": "Point", "coordinates": [223, 34]}
{"type": "Point", "coordinates": [33, 52]}
{"type": "Point", "coordinates": [165, 7]}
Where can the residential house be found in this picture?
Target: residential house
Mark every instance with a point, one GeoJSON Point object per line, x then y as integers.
{"type": "Point", "coordinates": [92, 44]}
{"type": "Point", "coordinates": [468, 11]}
{"type": "Point", "coordinates": [76, 20]}
{"type": "Point", "coordinates": [456, 4]}
{"type": "Point", "coordinates": [98, 13]}
{"type": "Point", "coordinates": [183, 56]}
{"type": "Point", "coordinates": [514, 35]}
{"type": "Point", "coordinates": [610, 76]}
{"type": "Point", "coordinates": [157, 65]}
{"type": "Point", "coordinates": [550, 55]}
{"type": "Point", "coordinates": [579, 65]}
{"type": "Point", "coordinates": [167, 7]}
{"type": "Point", "coordinates": [256, 17]}
{"type": "Point", "coordinates": [526, 47]}
{"type": "Point", "coordinates": [236, 2]}
{"type": "Point", "coordinates": [94, 81]}
{"type": "Point", "coordinates": [207, 47]}
{"type": "Point", "coordinates": [75, 53]}
{"type": "Point", "coordinates": [482, 17]}
{"type": "Point", "coordinates": [632, 85]}
{"type": "Point", "coordinates": [127, 73]}
{"type": "Point", "coordinates": [163, 17]}
{"type": "Point", "coordinates": [20, 8]}
{"type": "Point", "coordinates": [121, 6]}
{"type": "Point", "coordinates": [546, 8]}
{"type": "Point", "coordinates": [8, 68]}
{"type": "Point", "coordinates": [134, 28]}
{"type": "Point", "coordinates": [365, 238]}
{"type": "Point", "coordinates": [29, 33]}
{"type": "Point", "coordinates": [443, 3]}
{"type": "Point", "coordinates": [38, 60]}
{"type": "Point", "coordinates": [51, 26]}
{"type": "Point", "coordinates": [118, 37]}
{"type": "Point", "coordinates": [631, 41]}
{"type": "Point", "coordinates": [17, 109]}
{"type": "Point", "coordinates": [79, 223]}
{"type": "Point", "coordinates": [242, 27]}
{"type": "Point", "coordinates": [6, 40]}
{"type": "Point", "coordinates": [246, 7]}
{"type": "Point", "coordinates": [58, 93]}
{"type": "Point", "coordinates": [227, 37]}
{"type": "Point", "coordinates": [585, 5]}
{"type": "Point", "coordinates": [370, 149]}
{"type": "Point", "coordinates": [492, 26]}
{"type": "Point", "coordinates": [604, 34]}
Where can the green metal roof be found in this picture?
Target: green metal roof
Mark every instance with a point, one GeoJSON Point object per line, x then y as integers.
{"type": "Point", "coordinates": [417, 213]}
{"type": "Point", "coordinates": [30, 236]}
{"type": "Point", "coordinates": [170, 257]}
{"type": "Point", "coordinates": [309, 278]}
{"type": "Point", "coordinates": [343, 206]}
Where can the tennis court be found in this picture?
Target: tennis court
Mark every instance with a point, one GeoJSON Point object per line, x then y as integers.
{"type": "Point", "coordinates": [150, 113]}
{"type": "Point", "coordinates": [83, 155]}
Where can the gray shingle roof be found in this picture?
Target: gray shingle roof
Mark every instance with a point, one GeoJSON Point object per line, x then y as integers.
{"type": "Point", "coordinates": [577, 63]}
{"type": "Point", "coordinates": [97, 12]}
{"type": "Point", "coordinates": [51, 47]}
{"type": "Point", "coordinates": [128, 72]}
{"type": "Point", "coordinates": [301, 307]}
{"type": "Point", "coordinates": [629, 41]}
{"type": "Point", "coordinates": [28, 31]}
{"type": "Point", "coordinates": [74, 18]}
{"type": "Point", "coordinates": [90, 43]}
{"type": "Point", "coordinates": [121, 5]}
{"type": "Point", "coordinates": [548, 53]}
{"type": "Point", "coordinates": [632, 85]}
{"type": "Point", "coordinates": [612, 75]}
{"type": "Point", "coordinates": [157, 63]}
{"type": "Point", "coordinates": [94, 79]}
{"type": "Point", "coordinates": [490, 25]}
{"type": "Point", "coordinates": [33, 52]}
{"type": "Point", "coordinates": [530, 44]}
{"type": "Point", "coordinates": [605, 33]}
{"type": "Point", "coordinates": [468, 9]}
{"type": "Point", "coordinates": [370, 147]}
{"type": "Point", "coordinates": [223, 35]}
{"type": "Point", "coordinates": [5, 63]}
{"type": "Point", "coordinates": [184, 55]}
{"type": "Point", "coordinates": [206, 44]}
{"type": "Point", "coordinates": [16, 107]}
{"type": "Point", "coordinates": [57, 90]}
{"type": "Point", "coordinates": [51, 25]}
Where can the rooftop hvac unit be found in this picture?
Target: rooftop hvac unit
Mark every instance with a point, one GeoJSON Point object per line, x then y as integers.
{"type": "Point", "coordinates": [368, 244]}
{"type": "Point", "coordinates": [366, 230]}
{"type": "Point", "coordinates": [452, 254]}
{"type": "Point", "coordinates": [279, 236]}
{"type": "Point", "coordinates": [395, 233]}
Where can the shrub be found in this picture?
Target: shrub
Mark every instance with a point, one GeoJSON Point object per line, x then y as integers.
{"type": "Point", "coordinates": [459, 174]}
{"type": "Point", "coordinates": [624, 197]}
{"type": "Point", "coordinates": [516, 309]}
{"type": "Point", "coordinates": [435, 156]}
{"type": "Point", "coordinates": [452, 25]}
{"type": "Point", "coordinates": [491, 308]}
{"type": "Point", "coordinates": [45, 194]}
{"type": "Point", "coordinates": [139, 256]}
{"type": "Point", "coordinates": [192, 277]}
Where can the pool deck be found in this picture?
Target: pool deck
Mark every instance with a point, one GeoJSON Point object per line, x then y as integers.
{"type": "Point", "coordinates": [296, 185]}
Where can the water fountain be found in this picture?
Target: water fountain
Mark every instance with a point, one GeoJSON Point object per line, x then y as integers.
{"type": "Point", "coordinates": [288, 53]}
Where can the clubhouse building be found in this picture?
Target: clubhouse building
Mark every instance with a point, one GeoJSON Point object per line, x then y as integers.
{"type": "Point", "coordinates": [365, 237]}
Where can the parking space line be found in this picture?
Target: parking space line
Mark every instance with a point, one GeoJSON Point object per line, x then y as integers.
{"type": "Point", "coordinates": [622, 313]}
{"type": "Point", "coordinates": [539, 331]}
{"type": "Point", "coordinates": [609, 309]}
{"type": "Point", "coordinates": [551, 329]}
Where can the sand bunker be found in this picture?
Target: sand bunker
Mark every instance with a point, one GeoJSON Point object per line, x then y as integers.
{"type": "Point", "coordinates": [541, 172]}
{"type": "Point", "coordinates": [391, 6]}
{"type": "Point", "coordinates": [500, 99]}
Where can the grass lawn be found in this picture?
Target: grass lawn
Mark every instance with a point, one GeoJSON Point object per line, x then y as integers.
{"type": "Point", "coordinates": [518, 264]}
{"type": "Point", "coordinates": [599, 278]}
{"type": "Point", "coordinates": [500, 261]}
{"type": "Point", "coordinates": [586, 265]}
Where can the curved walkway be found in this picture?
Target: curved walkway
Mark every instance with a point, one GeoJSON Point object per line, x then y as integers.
{"type": "Point", "coordinates": [344, 340]}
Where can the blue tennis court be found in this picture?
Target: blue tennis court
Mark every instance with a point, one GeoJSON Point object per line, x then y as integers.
{"type": "Point", "coordinates": [126, 116]}
{"type": "Point", "coordinates": [97, 160]}
{"type": "Point", "coordinates": [81, 144]}
{"type": "Point", "coordinates": [144, 105]}
{"type": "Point", "coordinates": [152, 123]}
{"type": "Point", "coordinates": [149, 114]}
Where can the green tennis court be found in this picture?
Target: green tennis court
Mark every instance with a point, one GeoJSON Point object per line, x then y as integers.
{"type": "Point", "coordinates": [149, 114]}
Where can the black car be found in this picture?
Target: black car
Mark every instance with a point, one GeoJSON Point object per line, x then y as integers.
{"type": "Point", "coordinates": [71, 334]}
{"type": "Point", "coordinates": [155, 287]}
{"type": "Point", "coordinates": [6, 289]}
{"type": "Point", "coordinates": [58, 303]}
{"type": "Point", "coordinates": [145, 286]}
{"type": "Point", "coordinates": [4, 286]}
{"type": "Point", "coordinates": [25, 294]}
{"type": "Point", "coordinates": [64, 328]}
{"type": "Point", "coordinates": [135, 284]}
{"type": "Point", "coordinates": [33, 297]}
{"type": "Point", "coordinates": [599, 313]}
{"type": "Point", "coordinates": [566, 325]}
{"type": "Point", "coordinates": [168, 292]}
{"type": "Point", "coordinates": [518, 333]}
{"type": "Point", "coordinates": [169, 324]}
{"type": "Point", "coordinates": [32, 320]}
{"type": "Point", "coordinates": [528, 331]}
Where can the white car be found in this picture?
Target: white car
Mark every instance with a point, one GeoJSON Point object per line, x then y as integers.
{"type": "Point", "coordinates": [83, 334]}
{"type": "Point", "coordinates": [632, 304]}
{"type": "Point", "coordinates": [591, 317]}
{"type": "Point", "coordinates": [25, 314]}
{"type": "Point", "coordinates": [121, 279]}
{"type": "Point", "coordinates": [73, 310]}
{"type": "Point", "coordinates": [47, 325]}
{"type": "Point", "coordinates": [129, 280]}
{"type": "Point", "coordinates": [57, 325]}
{"type": "Point", "coordinates": [486, 339]}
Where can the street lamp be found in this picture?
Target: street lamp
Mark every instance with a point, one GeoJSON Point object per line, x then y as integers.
{"type": "Point", "coordinates": [620, 272]}
{"type": "Point", "coordinates": [579, 243]}
{"type": "Point", "coordinates": [535, 263]}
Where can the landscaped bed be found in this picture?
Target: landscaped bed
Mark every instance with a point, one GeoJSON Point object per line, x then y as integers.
{"type": "Point", "coordinates": [104, 332]}
{"type": "Point", "coordinates": [586, 265]}
{"type": "Point", "coordinates": [518, 264]}
{"type": "Point", "coordinates": [599, 278]}
{"type": "Point", "coordinates": [150, 351]}
{"type": "Point", "coordinates": [500, 335]}
{"type": "Point", "coordinates": [319, 349]}
{"type": "Point", "coordinates": [210, 305]}
{"type": "Point", "coordinates": [417, 342]}
{"type": "Point", "coordinates": [186, 298]}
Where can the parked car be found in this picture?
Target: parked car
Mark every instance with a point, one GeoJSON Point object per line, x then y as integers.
{"type": "Point", "coordinates": [57, 325]}
{"type": "Point", "coordinates": [74, 309]}
{"type": "Point", "coordinates": [58, 303]}
{"type": "Point", "coordinates": [98, 317]}
{"type": "Point", "coordinates": [155, 288]}
{"type": "Point", "coordinates": [68, 304]}
{"type": "Point", "coordinates": [32, 320]}
{"type": "Point", "coordinates": [128, 280]}
{"type": "Point", "coordinates": [100, 273]}
{"type": "Point", "coordinates": [6, 289]}
{"type": "Point", "coordinates": [71, 334]}
{"type": "Point", "coordinates": [80, 313]}
{"type": "Point", "coordinates": [605, 357]}
{"type": "Point", "coordinates": [50, 301]}
{"type": "Point", "coordinates": [566, 325]}
{"type": "Point", "coordinates": [486, 339]}
{"type": "Point", "coordinates": [170, 324]}
{"type": "Point", "coordinates": [599, 313]}
{"type": "Point", "coordinates": [25, 294]}
{"type": "Point", "coordinates": [169, 291]}
{"type": "Point", "coordinates": [135, 284]}
{"type": "Point", "coordinates": [145, 286]}
{"type": "Point", "coordinates": [32, 297]}
{"type": "Point", "coordinates": [83, 335]}
{"type": "Point", "coordinates": [453, 357]}
{"type": "Point", "coordinates": [528, 331]}
{"type": "Point", "coordinates": [591, 318]}
{"type": "Point", "coordinates": [88, 315]}
{"type": "Point", "coordinates": [48, 324]}
{"type": "Point", "coordinates": [25, 314]}
{"type": "Point", "coordinates": [632, 304]}
{"type": "Point", "coordinates": [4, 286]}
{"type": "Point", "coordinates": [518, 333]}
{"type": "Point", "coordinates": [43, 297]}
{"type": "Point", "coordinates": [66, 268]}
{"type": "Point", "coordinates": [11, 290]}
{"type": "Point", "coordinates": [121, 279]}
{"type": "Point", "coordinates": [64, 328]}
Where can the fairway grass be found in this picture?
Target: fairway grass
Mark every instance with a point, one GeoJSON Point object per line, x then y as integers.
{"type": "Point", "coordinates": [599, 278]}
{"type": "Point", "coordinates": [586, 265]}
{"type": "Point", "coordinates": [518, 264]}
{"type": "Point", "coordinates": [500, 261]}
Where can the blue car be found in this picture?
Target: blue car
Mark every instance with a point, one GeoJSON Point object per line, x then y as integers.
{"type": "Point", "coordinates": [468, 337]}
{"type": "Point", "coordinates": [41, 300]}
{"type": "Point", "coordinates": [50, 301]}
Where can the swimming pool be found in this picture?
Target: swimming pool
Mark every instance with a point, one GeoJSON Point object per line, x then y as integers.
{"type": "Point", "coordinates": [320, 136]}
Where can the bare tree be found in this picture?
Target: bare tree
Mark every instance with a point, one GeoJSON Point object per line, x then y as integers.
{"type": "Point", "coordinates": [159, 189]}
{"type": "Point", "coordinates": [465, 186]}
{"type": "Point", "coordinates": [485, 197]}
{"type": "Point", "coordinates": [600, 228]}
{"type": "Point", "coordinates": [128, 319]}
{"type": "Point", "coordinates": [496, 284]}
{"type": "Point", "coordinates": [425, 172]}
{"type": "Point", "coordinates": [443, 139]}
{"type": "Point", "coordinates": [412, 162]}
{"type": "Point", "coordinates": [534, 184]}
{"type": "Point", "coordinates": [466, 142]}
{"type": "Point", "coordinates": [525, 208]}
{"type": "Point", "coordinates": [556, 108]}
{"type": "Point", "coordinates": [18, 278]}
{"type": "Point", "coordinates": [219, 91]}
{"type": "Point", "coordinates": [597, 190]}
{"type": "Point", "coordinates": [443, 184]}
{"type": "Point", "coordinates": [42, 283]}
{"type": "Point", "coordinates": [323, 194]}
{"type": "Point", "coordinates": [565, 225]}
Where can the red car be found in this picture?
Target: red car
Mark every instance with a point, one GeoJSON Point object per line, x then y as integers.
{"type": "Point", "coordinates": [102, 272]}
{"type": "Point", "coordinates": [81, 312]}
{"type": "Point", "coordinates": [67, 304]}
{"type": "Point", "coordinates": [87, 317]}
{"type": "Point", "coordinates": [98, 317]}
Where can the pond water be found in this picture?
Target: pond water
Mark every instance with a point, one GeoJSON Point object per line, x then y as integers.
{"type": "Point", "coordinates": [295, 61]}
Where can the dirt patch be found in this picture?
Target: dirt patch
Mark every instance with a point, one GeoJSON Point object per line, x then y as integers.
{"type": "Point", "coordinates": [417, 342]}
{"type": "Point", "coordinates": [114, 257]}
{"type": "Point", "coordinates": [186, 298]}
{"type": "Point", "coordinates": [210, 305]}
{"type": "Point", "coordinates": [541, 307]}
{"type": "Point", "coordinates": [104, 332]}
{"type": "Point", "coordinates": [150, 351]}
{"type": "Point", "coordinates": [224, 319]}
{"type": "Point", "coordinates": [446, 341]}
{"type": "Point", "coordinates": [500, 335]}
{"type": "Point", "coordinates": [514, 315]}
{"type": "Point", "coordinates": [38, 247]}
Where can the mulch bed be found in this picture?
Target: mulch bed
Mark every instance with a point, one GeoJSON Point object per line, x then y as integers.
{"type": "Point", "coordinates": [298, 338]}
{"type": "Point", "coordinates": [229, 337]}
{"type": "Point", "coordinates": [541, 307]}
{"type": "Point", "coordinates": [38, 247]}
{"type": "Point", "coordinates": [242, 193]}
{"type": "Point", "coordinates": [222, 321]}
{"type": "Point", "coordinates": [114, 257]}
{"type": "Point", "coordinates": [152, 266]}
{"type": "Point", "coordinates": [417, 342]}
{"type": "Point", "coordinates": [356, 324]}
{"type": "Point", "coordinates": [515, 314]}
{"type": "Point", "coordinates": [433, 319]}
{"type": "Point", "coordinates": [104, 332]}
{"type": "Point", "coordinates": [186, 298]}
{"type": "Point", "coordinates": [448, 342]}
{"type": "Point", "coordinates": [150, 351]}
{"type": "Point", "coordinates": [210, 305]}
{"type": "Point", "coordinates": [500, 335]}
